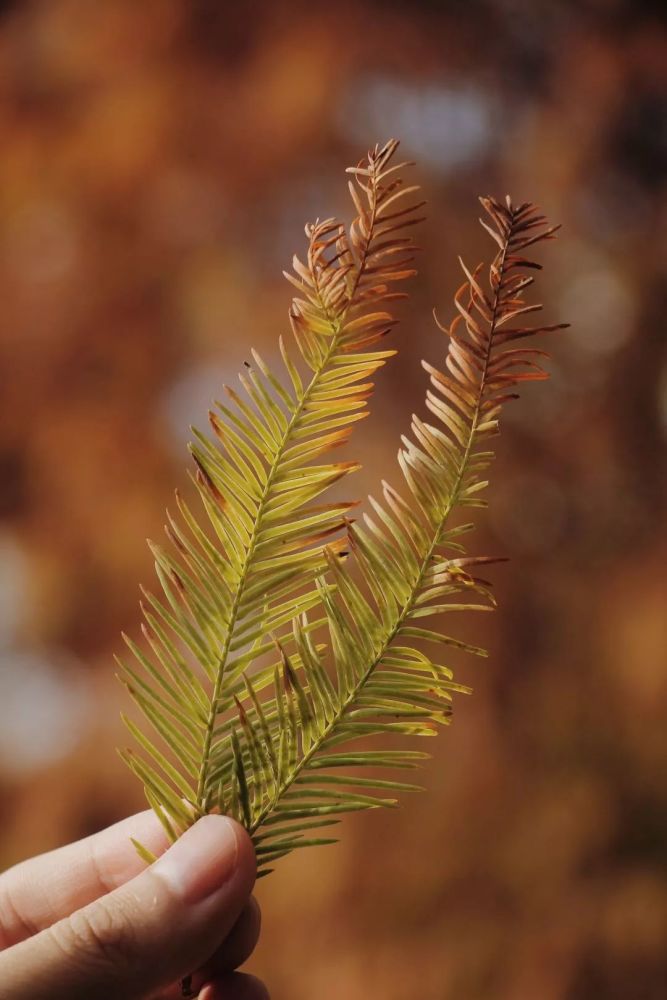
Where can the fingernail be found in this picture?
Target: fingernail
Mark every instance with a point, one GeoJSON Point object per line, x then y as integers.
{"type": "Point", "coordinates": [202, 860]}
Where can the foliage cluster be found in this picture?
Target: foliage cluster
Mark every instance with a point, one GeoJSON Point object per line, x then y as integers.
{"type": "Point", "coordinates": [292, 643]}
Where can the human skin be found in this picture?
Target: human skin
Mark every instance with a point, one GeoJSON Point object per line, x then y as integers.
{"type": "Point", "coordinates": [92, 920]}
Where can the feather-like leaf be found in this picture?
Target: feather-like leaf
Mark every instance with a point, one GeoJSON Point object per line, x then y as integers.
{"type": "Point", "coordinates": [407, 562]}
{"type": "Point", "coordinates": [250, 564]}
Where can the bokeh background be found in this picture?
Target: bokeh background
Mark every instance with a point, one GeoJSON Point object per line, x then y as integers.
{"type": "Point", "coordinates": [157, 163]}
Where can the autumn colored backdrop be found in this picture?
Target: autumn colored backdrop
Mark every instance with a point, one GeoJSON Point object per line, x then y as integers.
{"type": "Point", "coordinates": [157, 164]}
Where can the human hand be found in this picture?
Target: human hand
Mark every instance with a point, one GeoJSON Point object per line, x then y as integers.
{"type": "Point", "coordinates": [91, 922]}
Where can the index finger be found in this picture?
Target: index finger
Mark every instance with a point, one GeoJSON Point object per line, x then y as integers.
{"type": "Point", "coordinates": [36, 893]}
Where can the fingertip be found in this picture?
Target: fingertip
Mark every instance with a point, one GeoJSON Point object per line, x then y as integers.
{"type": "Point", "coordinates": [243, 938]}
{"type": "Point", "coordinates": [254, 918]}
{"type": "Point", "coordinates": [237, 947]}
{"type": "Point", "coordinates": [214, 855]}
{"type": "Point", "coordinates": [236, 986]}
{"type": "Point", "coordinates": [210, 856]}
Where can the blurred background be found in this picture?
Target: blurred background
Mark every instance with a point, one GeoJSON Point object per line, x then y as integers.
{"type": "Point", "coordinates": [157, 163]}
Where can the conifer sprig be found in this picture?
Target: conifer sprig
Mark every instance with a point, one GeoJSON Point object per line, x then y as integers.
{"type": "Point", "coordinates": [277, 664]}
{"type": "Point", "coordinates": [233, 585]}
{"type": "Point", "coordinates": [411, 566]}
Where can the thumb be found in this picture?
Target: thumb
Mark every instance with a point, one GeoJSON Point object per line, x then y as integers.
{"type": "Point", "coordinates": [149, 933]}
